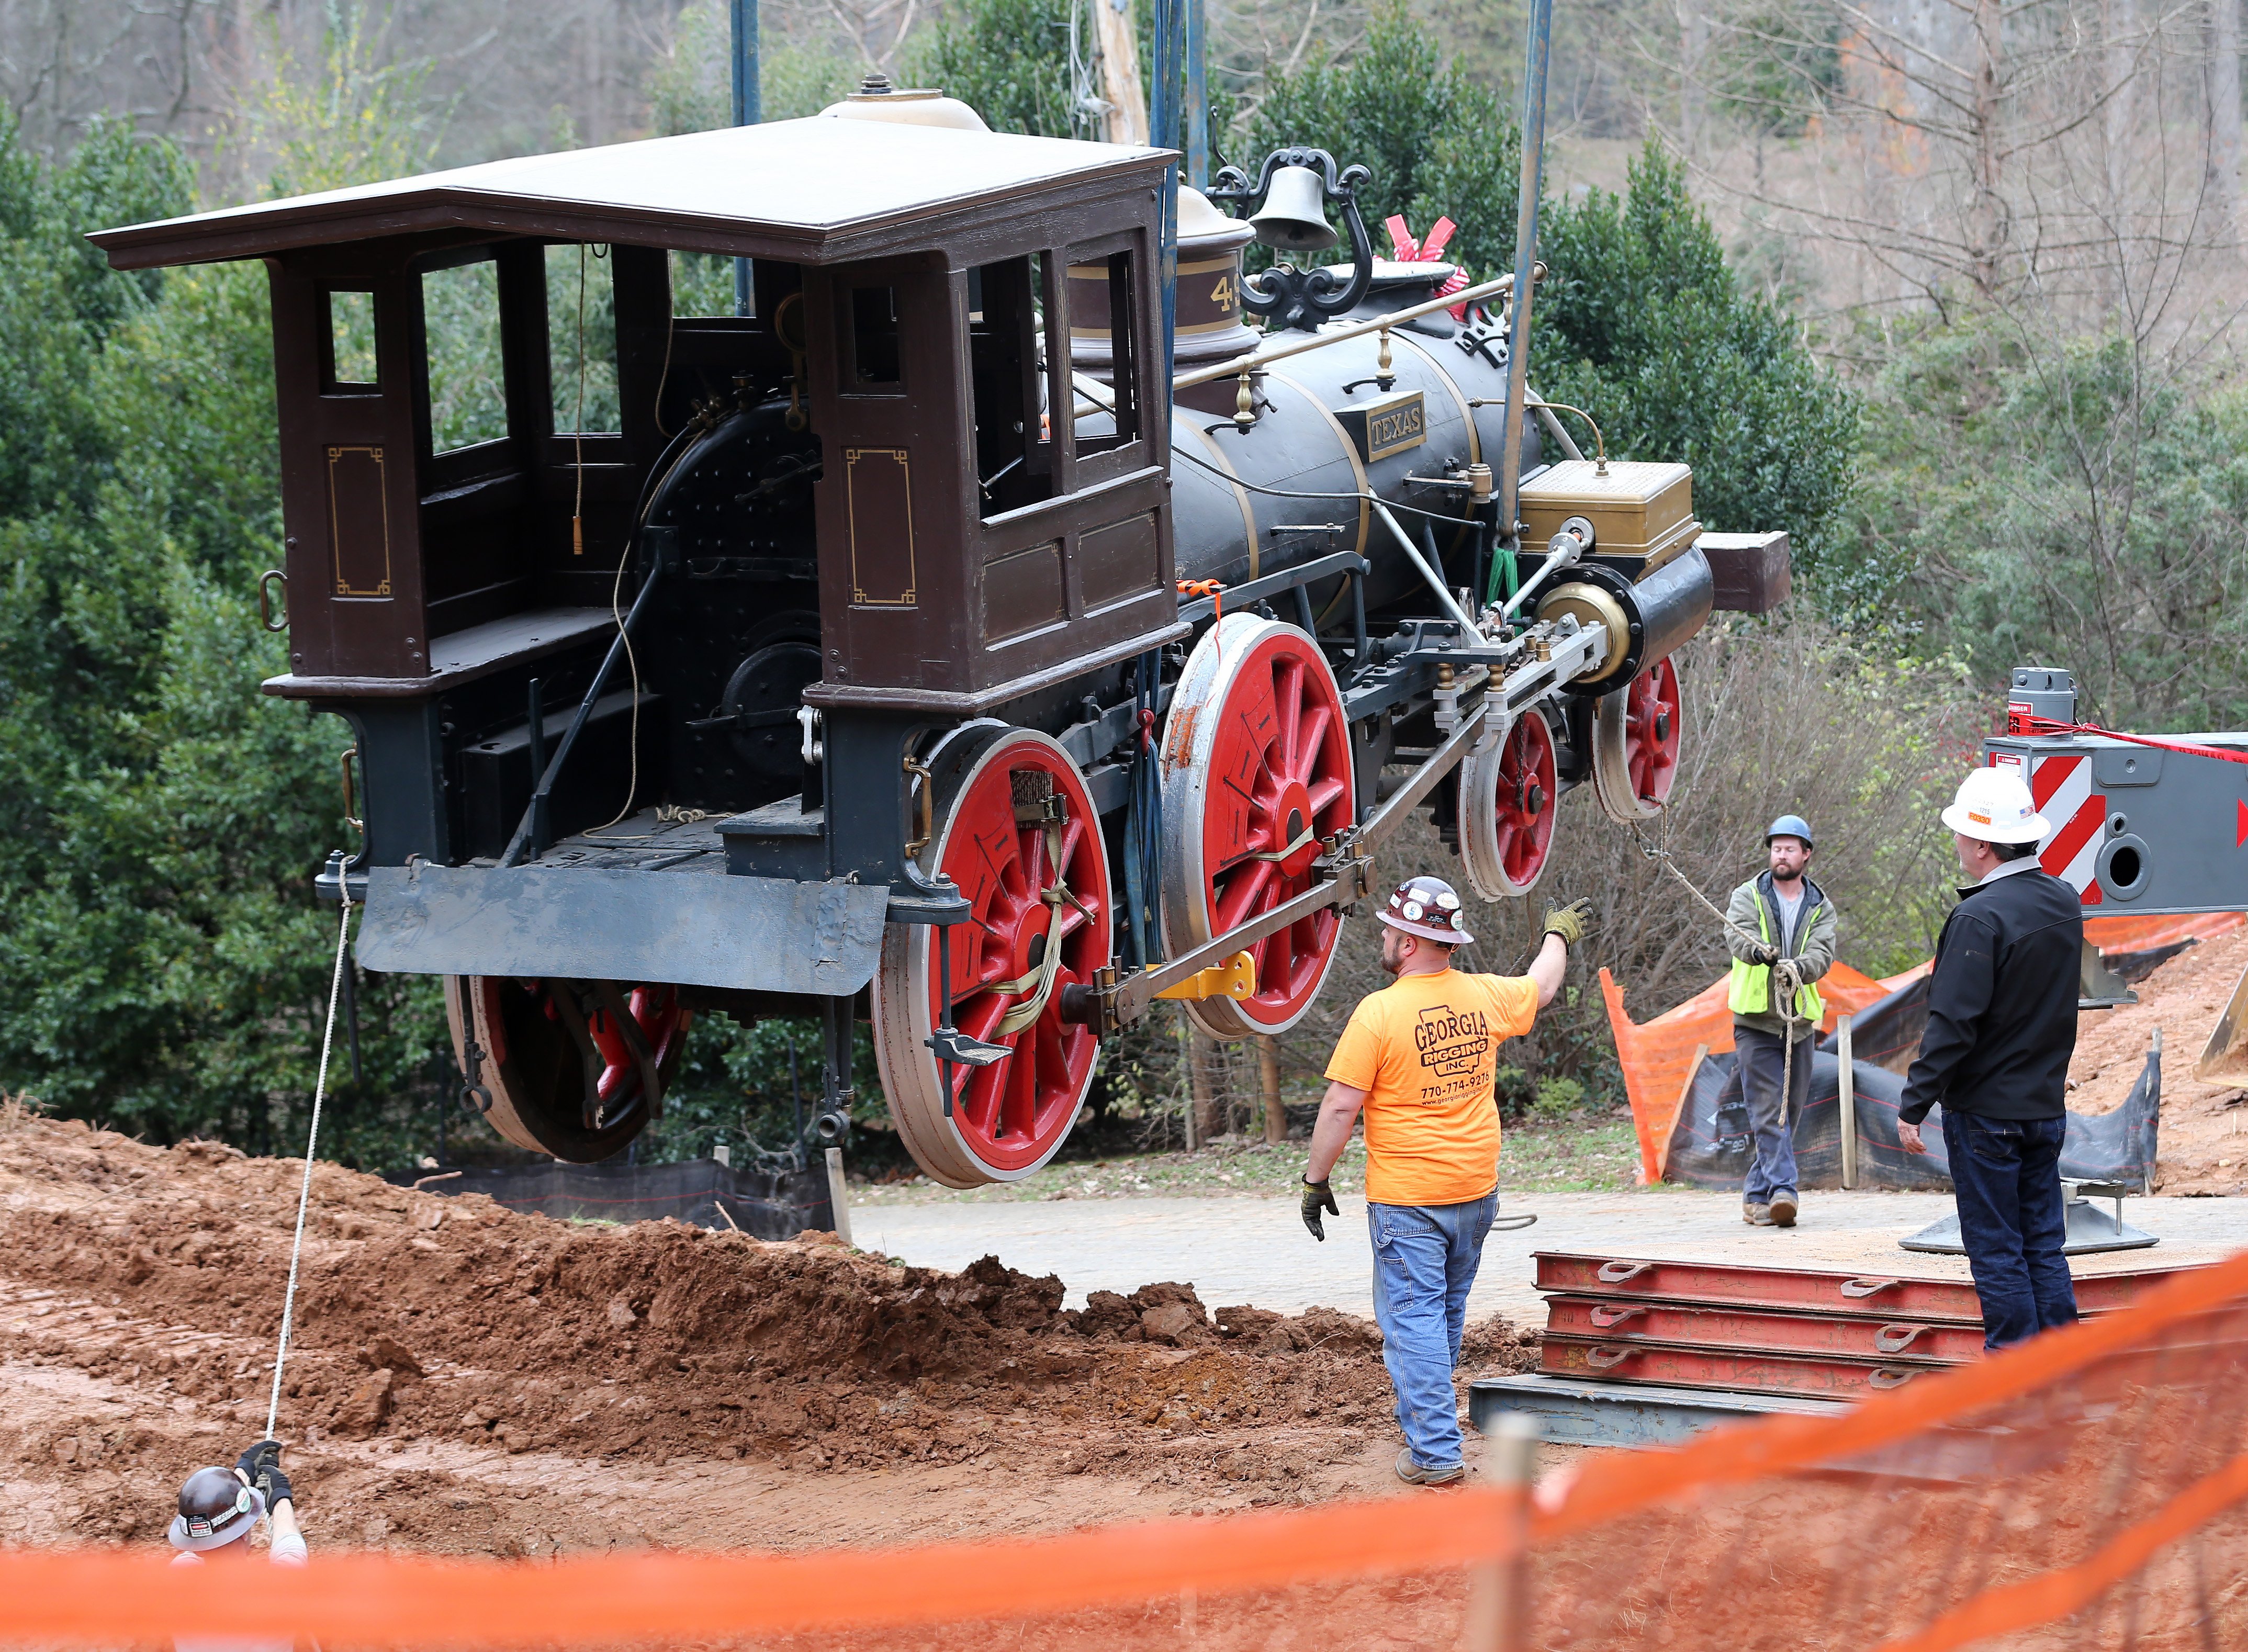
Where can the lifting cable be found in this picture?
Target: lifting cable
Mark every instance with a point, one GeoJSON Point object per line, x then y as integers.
{"type": "Point", "coordinates": [312, 1139]}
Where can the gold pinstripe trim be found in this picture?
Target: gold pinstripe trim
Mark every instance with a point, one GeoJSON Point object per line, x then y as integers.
{"type": "Point", "coordinates": [1240, 495]}
{"type": "Point", "coordinates": [1349, 450]}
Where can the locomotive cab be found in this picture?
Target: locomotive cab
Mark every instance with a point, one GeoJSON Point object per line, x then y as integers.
{"type": "Point", "coordinates": [499, 386]}
{"type": "Point", "coordinates": [758, 574]}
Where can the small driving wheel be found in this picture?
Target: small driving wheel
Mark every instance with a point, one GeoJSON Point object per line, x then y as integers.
{"type": "Point", "coordinates": [1257, 774]}
{"type": "Point", "coordinates": [1507, 810]}
{"type": "Point", "coordinates": [571, 1068]}
{"type": "Point", "coordinates": [1635, 733]}
{"type": "Point", "coordinates": [1016, 831]}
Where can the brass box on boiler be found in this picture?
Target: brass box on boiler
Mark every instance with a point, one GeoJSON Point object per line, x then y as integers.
{"type": "Point", "coordinates": [1636, 509]}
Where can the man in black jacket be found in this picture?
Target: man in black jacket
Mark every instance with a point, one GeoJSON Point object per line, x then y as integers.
{"type": "Point", "coordinates": [2001, 1028]}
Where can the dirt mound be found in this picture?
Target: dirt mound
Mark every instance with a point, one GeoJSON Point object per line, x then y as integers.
{"type": "Point", "coordinates": [2203, 1133]}
{"type": "Point", "coordinates": [424, 1319]}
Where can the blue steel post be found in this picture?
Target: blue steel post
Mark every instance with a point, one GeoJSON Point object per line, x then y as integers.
{"type": "Point", "coordinates": [1525, 264]}
{"type": "Point", "coordinates": [1163, 123]}
{"type": "Point", "coordinates": [747, 112]}
{"type": "Point", "coordinates": [1143, 828]}
{"type": "Point", "coordinates": [1197, 135]}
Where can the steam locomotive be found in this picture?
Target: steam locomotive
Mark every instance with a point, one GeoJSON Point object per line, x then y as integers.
{"type": "Point", "coordinates": [939, 631]}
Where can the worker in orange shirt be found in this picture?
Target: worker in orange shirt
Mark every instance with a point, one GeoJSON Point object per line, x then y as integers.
{"type": "Point", "coordinates": [1418, 1059]}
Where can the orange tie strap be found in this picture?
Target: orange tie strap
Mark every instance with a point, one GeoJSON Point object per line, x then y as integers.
{"type": "Point", "coordinates": [1209, 588]}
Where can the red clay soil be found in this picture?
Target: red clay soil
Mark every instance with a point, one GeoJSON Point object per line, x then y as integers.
{"type": "Point", "coordinates": [466, 1378]}
{"type": "Point", "coordinates": [472, 1381]}
{"type": "Point", "coordinates": [2203, 1145]}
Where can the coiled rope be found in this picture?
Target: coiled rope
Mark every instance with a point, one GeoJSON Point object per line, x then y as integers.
{"type": "Point", "coordinates": [311, 1142]}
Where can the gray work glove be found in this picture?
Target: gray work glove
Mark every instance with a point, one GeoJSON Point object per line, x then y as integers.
{"type": "Point", "coordinates": [1764, 954]}
{"type": "Point", "coordinates": [261, 1466]}
{"type": "Point", "coordinates": [1319, 1197]}
{"type": "Point", "coordinates": [1568, 922]}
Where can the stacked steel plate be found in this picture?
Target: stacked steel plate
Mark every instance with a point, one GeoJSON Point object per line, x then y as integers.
{"type": "Point", "coordinates": [1705, 1325]}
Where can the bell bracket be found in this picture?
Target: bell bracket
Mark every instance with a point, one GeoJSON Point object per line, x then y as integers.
{"type": "Point", "coordinates": [1284, 296]}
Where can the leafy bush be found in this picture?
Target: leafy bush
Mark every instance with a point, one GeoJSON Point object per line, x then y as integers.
{"type": "Point", "coordinates": [2076, 502]}
{"type": "Point", "coordinates": [1643, 325]}
{"type": "Point", "coordinates": [1640, 320]}
{"type": "Point", "coordinates": [1558, 1098]}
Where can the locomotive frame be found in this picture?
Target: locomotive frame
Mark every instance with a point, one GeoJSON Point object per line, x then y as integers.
{"type": "Point", "coordinates": [867, 622]}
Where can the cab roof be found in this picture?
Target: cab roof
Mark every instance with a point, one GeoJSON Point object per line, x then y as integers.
{"type": "Point", "coordinates": [811, 191]}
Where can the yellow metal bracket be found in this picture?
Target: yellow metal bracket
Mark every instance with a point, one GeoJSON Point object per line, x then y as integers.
{"type": "Point", "coordinates": [1235, 978]}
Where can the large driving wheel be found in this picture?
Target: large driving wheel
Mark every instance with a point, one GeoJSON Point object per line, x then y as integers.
{"type": "Point", "coordinates": [1016, 830]}
{"type": "Point", "coordinates": [1506, 810]}
{"type": "Point", "coordinates": [1257, 774]}
{"type": "Point", "coordinates": [1636, 744]}
{"type": "Point", "coordinates": [571, 1068]}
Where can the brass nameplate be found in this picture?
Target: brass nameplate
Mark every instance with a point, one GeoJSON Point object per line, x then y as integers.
{"type": "Point", "coordinates": [1389, 425]}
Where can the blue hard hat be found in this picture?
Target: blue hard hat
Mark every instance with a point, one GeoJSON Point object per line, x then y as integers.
{"type": "Point", "coordinates": [1790, 826]}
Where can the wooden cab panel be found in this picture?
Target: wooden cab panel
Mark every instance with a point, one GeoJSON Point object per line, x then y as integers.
{"type": "Point", "coordinates": [975, 543]}
{"type": "Point", "coordinates": [348, 488]}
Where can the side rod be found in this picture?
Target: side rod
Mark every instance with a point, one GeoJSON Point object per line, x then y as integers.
{"type": "Point", "coordinates": [1351, 869]}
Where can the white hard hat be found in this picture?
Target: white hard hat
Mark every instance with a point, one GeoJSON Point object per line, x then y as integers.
{"type": "Point", "coordinates": [1429, 907]}
{"type": "Point", "coordinates": [1994, 806]}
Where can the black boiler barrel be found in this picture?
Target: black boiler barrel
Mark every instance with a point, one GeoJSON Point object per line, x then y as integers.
{"type": "Point", "coordinates": [1251, 502]}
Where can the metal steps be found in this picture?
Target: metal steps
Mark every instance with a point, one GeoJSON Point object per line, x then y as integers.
{"type": "Point", "coordinates": [1640, 1350]}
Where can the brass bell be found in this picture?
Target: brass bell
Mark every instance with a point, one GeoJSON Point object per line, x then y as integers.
{"type": "Point", "coordinates": [1293, 218]}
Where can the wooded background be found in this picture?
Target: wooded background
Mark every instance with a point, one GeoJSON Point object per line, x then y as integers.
{"type": "Point", "coordinates": [1949, 291]}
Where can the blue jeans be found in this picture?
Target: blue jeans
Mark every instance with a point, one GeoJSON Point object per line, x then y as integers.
{"type": "Point", "coordinates": [1761, 1060]}
{"type": "Point", "coordinates": [1425, 1258]}
{"type": "Point", "coordinates": [2007, 1173]}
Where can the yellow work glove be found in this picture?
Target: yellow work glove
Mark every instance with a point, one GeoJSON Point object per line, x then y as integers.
{"type": "Point", "coordinates": [1568, 922]}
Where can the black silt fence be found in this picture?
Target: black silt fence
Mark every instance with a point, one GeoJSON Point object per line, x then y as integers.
{"type": "Point", "coordinates": [1710, 1146]}
{"type": "Point", "coordinates": [769, 1204]}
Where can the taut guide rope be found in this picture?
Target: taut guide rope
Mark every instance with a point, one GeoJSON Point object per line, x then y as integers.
{"type": "Point", "coordinates": [312, 1141]}
{"type": "Point", "coordinates": [1783, 976]}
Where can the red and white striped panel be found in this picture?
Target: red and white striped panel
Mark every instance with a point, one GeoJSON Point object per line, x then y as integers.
{"type": "Point", "coordinates": [2061, 785]}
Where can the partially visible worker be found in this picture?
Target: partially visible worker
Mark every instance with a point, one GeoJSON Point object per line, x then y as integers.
{"type": "Point", "coordinates": [1419, 1058]}
{"type": "Point", "coordinates": [1793, 925]}
{"type": "Point", "coordinates": [219, 1508]}
{"type": "Point", "coordinates": [2001, 1029]}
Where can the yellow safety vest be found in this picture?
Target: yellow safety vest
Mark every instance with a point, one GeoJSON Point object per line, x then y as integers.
{"type": "Point", "coordinates": [1751, 988]}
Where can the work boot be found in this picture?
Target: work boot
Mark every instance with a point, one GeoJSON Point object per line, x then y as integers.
{"type": "Point", "coordinates": [1756, 1216]}
{"type": "Point", "coordinates": [1413, 1474]}
{"type": "Point", "coordinates": [1783, 1210]}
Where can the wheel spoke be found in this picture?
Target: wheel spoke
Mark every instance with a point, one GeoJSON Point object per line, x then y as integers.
{"type": "Point", "coordinates": [1280, 964]}
{"type": "Point", "coordinates": [1238, 900]}
{"type": "Point", "coordinates": [1288, 702]}
{"type": "Point", "coordinates": [1309, 745]}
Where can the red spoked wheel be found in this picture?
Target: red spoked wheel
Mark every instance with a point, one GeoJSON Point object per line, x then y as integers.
{"type": "Point", "coordinates": [1257, 774]}
{"type": "Point", "coordinates": [1507, 796]}
{"type": "Point", "coordinates": [575, 1069]}
{"type": "Point", "coordinates": [1635, 733]}
{"type": "Point", "coordinates": [1016, 830]}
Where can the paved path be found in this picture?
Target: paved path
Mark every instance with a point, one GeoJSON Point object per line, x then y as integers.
{"type": "Point", "coordinates": [1255, 1251]}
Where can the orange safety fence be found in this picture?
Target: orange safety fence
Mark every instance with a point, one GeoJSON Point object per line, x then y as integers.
{"type": "Point", "coordinates": [2115, 934]}
{"type": "Point", "coordinates": [2083, 1489]}
{"type": "Point", "coordinates": [86, 1596]}
{"type": "Point", "coordinates": [1658, 1056]}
